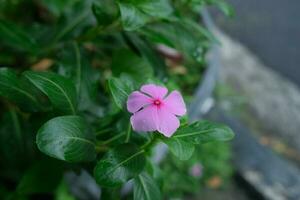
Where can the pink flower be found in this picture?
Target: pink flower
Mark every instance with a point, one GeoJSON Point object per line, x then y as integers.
{"type": "Point", "coordinates": [152, 111]}
{"type": "Point", "coordinates": [196, 170]}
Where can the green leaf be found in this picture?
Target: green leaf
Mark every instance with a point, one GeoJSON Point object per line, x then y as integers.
{"type": "Point", "coordinates": [66, 138]}
{"type": "Point", "coordinates": [105, 12]}
{"type": "Point", "coordinates": [42, 177]}
{"type": "Point", "coordinates": [62, 192]}
{"type": "Point", "coordinates": [16, 37]}
{"type": "Point", "coordinates": [180, 148]}
{"type": "Point", "coordinates": [135, 13]}
{"type": "Point", "coordinates": [119, 165]}
{"type": "Point", "coordinates": [12, 88]}
{"type": "Point", "coordinates": [120, 90]}
{"type": "Point", "coordinates": [125, 61]}
{"type": "Point", "coordinates": [203, 131]}
{"type": "Point", "coordinates": [149, 53]}
{"type": "Point", "coordinates": [145, 188]}
{"type": "Point", "coordinates": [226, 8]}
{"type": "Point", "coordinates": [60, 90]}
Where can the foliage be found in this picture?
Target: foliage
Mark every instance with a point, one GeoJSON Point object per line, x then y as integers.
{"type": "Point", "coordinates": [67, 68]}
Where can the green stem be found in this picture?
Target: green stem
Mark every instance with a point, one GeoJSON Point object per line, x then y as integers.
{"type": "Point", "coordinates": [103, 131]}
{"type": "Point", "coordinates": [101, 149]}
{"type": "Point", "coordinates": [112, 139]}
{"type": "Point", "coordinates": [150, 143]}
{"type": "Point", "coordinates": [128, 133]}
{"type": "Point", "coordinates": [78, 66]}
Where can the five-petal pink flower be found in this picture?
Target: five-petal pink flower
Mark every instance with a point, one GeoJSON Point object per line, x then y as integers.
{"type": "Point", "coordinates": [153, 111]}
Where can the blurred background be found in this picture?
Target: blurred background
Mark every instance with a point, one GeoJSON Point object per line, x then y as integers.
{"type": "Point", "coordinates": [259, 56]}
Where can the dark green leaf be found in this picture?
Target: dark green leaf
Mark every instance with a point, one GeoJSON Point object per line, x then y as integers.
{"type": "Point", "coordinates": [66, 138]}
{"type": "Point", "coordinates": [180, 148]}
{"type": "Point", "coordinates": [60, 90]}
{"type": "Point", "coordinates": [145, 188]}
{"type": "Point", "coordinates": [15, 36]}
{"type": "Point", "coordinates": [105, 12]}
{"type": "Point", "coordinates": [12, 88]}
{"type": "Point", "coordinates": [42, 177]}
{"type": "Point", "coordinates": [120, 90]}
{"type": "Point", "coordinates": [135, 13]}
{"type": "Point", "coordinates": [203, 131]}
{"type": "Point", "coordinates": [119, 165]}
{"type": "Point", "coordinates": [125, 61]}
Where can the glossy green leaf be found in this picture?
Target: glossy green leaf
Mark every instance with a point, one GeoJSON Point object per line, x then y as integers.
{"type": "Point", "coordinates": [125, 61]}
{"type": "Point", "coordinates": [145, 188]}
{"type": "Point", "coordinates": [135, 13]}
{"type": "Point", "coordinates": [120, 90]}
{"type": "Point", "coordinates": [66, 138]}
{"type": "Point", "coordinates": [12, 88]}
{"type": "Point", "coordinates": [119, 165]}
{"type": "Point", "coordinates": [203, 131]}
{"type": "Point", "coordinates": [180, 148]}
{"type": "Point", "coordinates": [60, 90]}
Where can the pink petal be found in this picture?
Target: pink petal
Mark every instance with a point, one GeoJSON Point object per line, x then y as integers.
{"type": "Point", "coordinates": [154, 90]}
{"type": "Point", "coordinates": [136, 101]}
{"type": "Point", "coordinates": [167, 122]}
{"type": "Point", "coordinates": [175, 104]}
{"type": "Point", "coordinates": [145, 119]}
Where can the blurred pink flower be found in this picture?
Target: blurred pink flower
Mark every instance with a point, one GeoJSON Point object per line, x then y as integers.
{"type": "Point", "coordinates": [153, 111]}
{"type": "Point", "coordinates": [196, 170]}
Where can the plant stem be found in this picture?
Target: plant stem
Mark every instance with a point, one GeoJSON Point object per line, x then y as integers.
{"type": "Point", "coordinates": [103, 131]}
{"type": "Point", "coordinates": [150, 143]}
{"type": "Point", "coordinates": [112, 139]}
{"type": "Point", "coordinates": [78, 66]}
{"type": "Point", "coordinates": [128, 133]}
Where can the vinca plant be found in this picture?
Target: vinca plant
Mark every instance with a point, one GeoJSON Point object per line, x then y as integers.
{"type": "Point", "coordinates": [96, 86]}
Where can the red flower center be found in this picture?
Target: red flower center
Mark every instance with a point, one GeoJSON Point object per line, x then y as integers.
{"type": "Point", "coordinates": [157, 102]}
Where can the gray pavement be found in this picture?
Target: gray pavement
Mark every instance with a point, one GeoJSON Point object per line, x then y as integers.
{"type": "Point", "coordinates": [270, 29]}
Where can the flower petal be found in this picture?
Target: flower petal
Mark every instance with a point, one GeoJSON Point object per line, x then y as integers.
{"type": "Point", "coordinates": [136, 101]}
{"type": "Point", "coordinates": [175, 104]}
{"type": "Point", "coordinates": [145, 119]}
{"type": "Point", "coordinates": [167, 122]}
{"type": "Point", "coordinates": [154, 90]}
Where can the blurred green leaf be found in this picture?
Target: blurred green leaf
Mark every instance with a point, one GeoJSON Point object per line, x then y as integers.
{"type": "Point", "coordinates": [62, 192]}
{"type": "Point", "coordinates": [13, 89]}
{"type": "Point", "coordinates": [33, 180]}
{"type": "Point", "coordinates": [125, 61]}
{"type": "Point", "coordinates": [226, 8]}
{"type": "Point", "coordinates": [67, 138]}
{"type": "Point", "coordinates": [135, 13]}
{"type": "Point", "coordinates": [105, 11]}
{"type": "Point", "coordinates": [145, 188]}
{"type": "Point", "coordinates": [16, 37]}
{"type": "Point", "coordinates": [180, 148]}
{"type": "Point", "coordinates": [60, 90]}
{"type": "Point", "coordinates": [202, 132]}
{"type": "Point", "coordinates": [149, 53]}
{"type": "Point", "coordinates": [119, 165]}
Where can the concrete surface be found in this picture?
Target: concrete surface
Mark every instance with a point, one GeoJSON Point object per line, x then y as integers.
{"type": "Point", "coordinates": [273, 102]}
{"type": "Point", "coordinates": [270, 29]}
